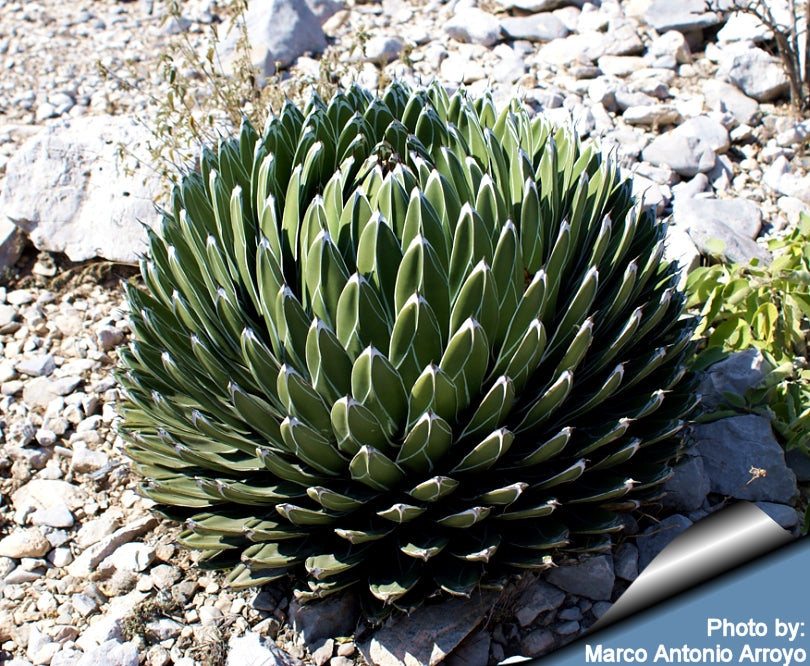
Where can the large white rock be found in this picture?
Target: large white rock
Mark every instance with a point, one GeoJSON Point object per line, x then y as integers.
{"type": "Point", "coordinates": [72, 190]}
{"type": "Point", "coordinates": [279, 31]}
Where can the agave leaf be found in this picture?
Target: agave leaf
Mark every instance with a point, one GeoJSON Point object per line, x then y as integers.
{"type": "Point", "coordinates": [313, 448]}
{"type": "Point", "coordinates": [375, 470]}
{"type": "Point", "coordinates": [507, 270]}
{"type": "Point", "coordinates": [465, 360]}
{"type": "Point", "coordinates": [401, 512]}
{"type": "Point", "coordinates": [433, 489]}
{"type": "Point", "coordinates": [548, 403]}
{"type": "Point", "coordinates": [421, 271]}
{"type": "Point", "coordinates": [422, 219]}
{"type": "Point", "coordinates": [355, 425]}
{"type": "Point", "coordinates": [276, 555]}
{"type": "Point", "coordinates": [326, 276]}
{"type": "Point", "coordinates": [336, 502]}
{"type": "Point", "coordinates": [328, 565]}
{"type": "Point", "coordinates": [606, 434]}
{"type": "Point", "coordinates": [394, 581]}
{"type": "Point", "coordinates": [547, 537]}
{"type": "Point", "coordinates": [465, 519]}
{"type": "Point", "coordinates": [378, 386]}
{"type": "Point", "coordinates": [241, 576]}
{"type": "Point", "coordinates": [426, 444]}
{"type": "Point", "coordinates": [531, 234]}
{"type": "Point", "coordinates": [287, 470]}
{"type": "Point", "coordinates": [471, 244]}
{"type": "Point", "coordinates": [366, 535]}
{"type": "Point", "coordinates": [459, 579]}
{"type": "Point", "coordinates": [302, 516]}
{"type": "Point", "coordinates": [293, 327]}
{"type": "Point", "coordinates": [622, 455]}
{"type": "Point", "coordinates": [486, 453]}
{"type": "Point", "coordinates": [392, 202]}
{"type": "Point", "coordinates": [477, 548]}
{"type": "Point", "coordinates": [493, 410]}
{"type": "Point", "coordinates": [329, 365]}
{"type": "Point", "coordinates": [445, 200]}
{"type": "Point", "coordinates": [361, 318]}
{"type": "Point", "coordinates": [504, 495]}
{"type": "Point", "coordinates": [424, 547]}
{"type": "Point", "coordinates": [257, 413]}
{"type": "Point", "coordinates": [535, 511]}
{"type": "Point", "coordinates": [529, 309]}
{"type": "Point", "coordinates": [415, 339]}
{"type": "Point", "coordinates": [245, 243]}
{"type": "Point", "coordinates": [378, 259]}
{"type": "Point", "coordinates": [607, 489]}
{"type": "Point", "coordinates": [209, 541]}
{"type": "Point", "coordinates": [527, 356]}
{"type": "Point", "coordinates": [302, 401]}
{"type": "Point", "coordinates": [474, 300]}
{"type": "Point", "coordinates": [569, 474]}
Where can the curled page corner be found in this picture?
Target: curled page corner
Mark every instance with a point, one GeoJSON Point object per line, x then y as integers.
{"type": "Point", "coordinates": [719, 543]}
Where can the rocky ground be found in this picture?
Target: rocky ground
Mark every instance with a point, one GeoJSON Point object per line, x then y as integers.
{"type": "Point", "coordinates": [689, 101]}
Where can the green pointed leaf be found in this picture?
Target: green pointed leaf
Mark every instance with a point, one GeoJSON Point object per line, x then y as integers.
{"type": "Point", "coordinates": [486, 453]}
{"type": "Point", "coordinates": [355, 425]}
{"type": "Point", "coordinates": [433, 489]}
{"type": "Point", "coordinates": [426, 444]}
{"type": "Point", "coordinates": [375, 470]}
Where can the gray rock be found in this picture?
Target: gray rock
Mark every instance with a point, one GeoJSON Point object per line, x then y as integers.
{"type": "Point", "coordinates": [742, 216]}
{"type": "Point", "coordinates": [735, 374]}
{"type": "Point", "coordinates": [70, 190]}
{"type": "Point", "coordinates": [757, 73]}
{"type": "Point", "coordinates": [593, 578]}
{"type": "Point", "coordinates": [672, 44]}
{"type": "Point", "coordinates": [686, 155]}
{"type": "Point", "coordinates": [691, 188]}
{"type": "Point", "coordinates": [722, 96]}
{"type": "Point", "coordinates": [538, 598]}
{"type": "Point", "coordinates": [714, 238]}
{"type": "Point", "coordinates": [325, 9]}
{"type": "Point", "coordinates": [683, 16]}
{"type": "Point", "coordinates": [682, 249]}
{"type": "Point", "coordinates": [532, 6]}
{"type": "Point", "coordinates": [734, 448]}
{"type": "Point", "coordinates": [472, 651]}
{"type": "Point", "coordinates": [91, 557]}
{"type": "Point", "coordinates": [111, 653]}
{"type": "Point", "coordinates": [47, 493]}
{"type": "Point", "coordinates": [534, 28]}
{"type": "Point", "coordinates": [537, 642]}
{"type": "Point", "coordinates": [652, 115]}
{"type": "Point", "coordinates": [66, 657]}
{"type": "Point", "coordinates": [428, 634]}
{"type": "Point", "coordinates": [780, 178]}
{"type": "Point", "coordinates": [743, 27]}
{"type": "Point", "coordinates": [57, 516]}
{"type": "Point", "coordinates": [621, 39]}
{"type": "Point", "coordinates": [708, 130]}
{"type": "Point", "coordinates": [38, 366]}
{"type": "Point", "coordinates": [785, 516]}
{"type": "Point", "coordinates": [620, 66]}
{"type": "Point", "coordinates": [474, 26]}
{"type": "Point", "coordinates": [799, 463]}
{"type": "Point", "coordinates": [799, 134]}
{"type": "Point", "coordinates": [687, 487]}
{"type": "Point", "coordinates": [336, 615]}
{"type": "Point", "coordinates": [280, 31]}
{"type": "Point", "coordinates": [383, 49]}
{"type": "Point", "coordinates": [655, 538]}
{"type": "Point", "coordinates": [12, 242]}
{"type": "Point", "coordinates": [24, 543]}
{"type": "Point", "coordinates": [132, 557]}
{"type": "Point", "coordinates": [625, 561]}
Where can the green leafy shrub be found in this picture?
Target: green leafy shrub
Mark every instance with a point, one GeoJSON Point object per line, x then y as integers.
{"type": "Point", "coordinates": [404, 342]}
{"type": "Point", "coordinates": [746, 306]}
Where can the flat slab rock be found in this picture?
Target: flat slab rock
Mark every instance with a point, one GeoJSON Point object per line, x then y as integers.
{"type": "Point", "coordinates": [71, 190]}
{"type": "Point", "coordinates": [731, 448]}
{"type": "Point", "coordinates": [430, 633]}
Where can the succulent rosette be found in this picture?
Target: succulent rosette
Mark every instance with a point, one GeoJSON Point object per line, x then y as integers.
{"type": "Point", "coordinates": [407, 343]}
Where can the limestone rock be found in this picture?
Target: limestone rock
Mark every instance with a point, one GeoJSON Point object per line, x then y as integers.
{"type": "Point", "coordinates": [280, 31]}
{"type": "Point", "coordinates": [70, 190]}
{"type": "Point", "coordinates": [592, 578]}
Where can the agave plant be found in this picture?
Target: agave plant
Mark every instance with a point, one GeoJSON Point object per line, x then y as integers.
{"type": "Point", "coordinates": [403, 342]}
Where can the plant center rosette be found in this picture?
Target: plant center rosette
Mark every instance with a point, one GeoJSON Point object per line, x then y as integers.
{"type": "Point", "coordinates": [406, 343]}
